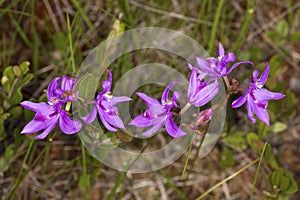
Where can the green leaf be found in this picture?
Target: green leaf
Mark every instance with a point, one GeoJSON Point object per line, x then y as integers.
{"type": "Point", "coordinates": [17, 94]}
{"type": "Point", "coordinates": [24, 67]}
{"type": "Point", "coordinates": [15, 111]}
{"type": "Point", "coordinates": [24, 81]}
{"type": "Point", "coordinates": [227, 158]}
{"type": "Point", "coordinates": [262, 129]}
{"type": "Point", "coordinates": [60, 40]}
{"type": "Point", "coordinates": [87, 86]}
{"type": "Point", "coordinates": [254, 54]}
{"type": "Point", "coordinates": [295, 37]}
{"type": "Point", "coordinates": [290, 98]}
{"type": "Point", "coordinates": [275, 63]}
{"type": "Point", "coordinates": [16, 97]}
{"type": "Point", "coordinates": [293, 187]}
{"type": "Point", "coordinates": [269, 157]}
{"type": "Point", "coordinates": [282, 28]}
{"type": "Point", "coordinates": [9, 151]}
{"type": "Point", "coordinates": [277, 127]}
{"type": "Point", "coordinates": [236, 140]}
{"type": "Point", "coordinates": [283, 180]}
{"type": "Point", "coordinates": [17, 71]}
{"type": "Point", "coordinates": [9, 73]}
{"type": "Point", "coordinates": [3, 117]}
{"type": "Point", "coordinates": [255, 143]}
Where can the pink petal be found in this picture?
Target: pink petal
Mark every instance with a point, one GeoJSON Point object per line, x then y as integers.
{"type": "Point", "coordinates": [50, 126]}
{"type": "Point", "coordinates": [250, 110]}
{"type": "Point", "coordinates": [262, 114]}
{"type": "Point", "coordinates": [106, 85]}
{"type": "Point", "coordinates": [206, 94]}
{"type": "Point", "coordinates": [148, 100]}
{"type": "Point", "coordinates": [165, 94]}
{"type": "Point", "coordinates": [192, 84]}
{"type": "Point", "coordinates": [239, 63]}
{"type": "Point", "coordinates": [152, 130]}
{"type": "Point", "coordinates": [89, 118]}
{"type": "Point", "coordinates": [33, 126]}
{"type": "Point", "coordinates": [52, 90]}
{"type": "Point", "coordinates": [104, 122]}
{"type": "Point", "coordinates": [41, 107]}
{"type": "Point", "coordinates": [264, 95]}
{"type": "Point", "coordinates": [113, 120]}
{"type": "Point", "coordinates": [205, 66]}
{"type": "Point", "coordinates": [230, 57]}
{"type": "Point", "coordinates": [115, 100]}
{"type": "Point", "coordinates": [239, 101]}
{"type": "Point", "coordinates": [172, 129]}
{"type": "Point", "coordinates": [68, 125]}
{"type": "Point", "coordinates": [264, 76]}
{"type": "Point", "coordinates": [221, 50]}
{"type": "Point", "coordinates": [141, 121]}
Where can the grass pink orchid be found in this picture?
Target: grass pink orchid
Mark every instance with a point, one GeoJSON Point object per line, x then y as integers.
{"type": "Point", "coordinates": [48, 115]}
{"type": "Point", "coordinates": [256, 97]}
{"type": "Point", "coordinates": [217, 67]}
{"type": "Point", "coordinates": [158, 114]}
{"type": "Point", "coordinates": [105, 106]}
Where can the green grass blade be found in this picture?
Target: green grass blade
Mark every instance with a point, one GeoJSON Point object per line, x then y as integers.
{"type": "Point", "coordinates": [228, 178]}
{"type": "Point", "coordinates": [71, 44]}
{"type": "Point", "coordinates": [215, 26]}
{"type": "Point", "coordinates": [257, 170]}
{"type": "Point", "coordinates": [242, 33]}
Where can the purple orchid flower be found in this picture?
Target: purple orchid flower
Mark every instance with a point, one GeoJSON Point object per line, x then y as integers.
{"type": "Point", "coordinates": [257, 97]}
{"type": "Point", "coordinates": [105, 105]}
{"type": "Point", "coordinates": [62, 88]}
{"type": "Point", "coordinates": [201, 92]}
{"type": "Point", "coordinates": [158, 114]}
{"type": "Point", "coordinates": [48, 115]}
{"type": "Point", "coordinates": [217, 67]}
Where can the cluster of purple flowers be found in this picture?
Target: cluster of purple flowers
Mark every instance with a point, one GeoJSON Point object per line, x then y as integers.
{"type": "Point", "coordinates": [203, 87]}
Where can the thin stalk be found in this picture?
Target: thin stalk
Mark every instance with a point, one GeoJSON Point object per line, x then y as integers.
{"type": "Point", "coordinates": [45, 163]}
{"type": "Point", "coordinates": [71, 44]}
{"type": "Point", "coordinates": [185, 108]}
{"type": "Point", "coordinates": [18, 181]}
{"type": "Point", "coordinates": [57, 174]}
{"type": "Point", "coordinates": [228, 178]}
{"type": "Point", "coordinates": [187, 160]}
{"type": "Point", "coordinates": [215, 26]}
{"type": "Point", "coordinates": [85, 17]}
{"type": "Point", "coordinates": [122, 176]}
{"type": "Point", "coordinates": [242, 33]}
{"type": "Point", "coordinates": [86, 186]}
{"type": "Point", "coordinates": [35, 41]}
{"type": "Point", "coordinates": [225, 78]}
{"type": "Point", "coordinates": [257, 170]}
